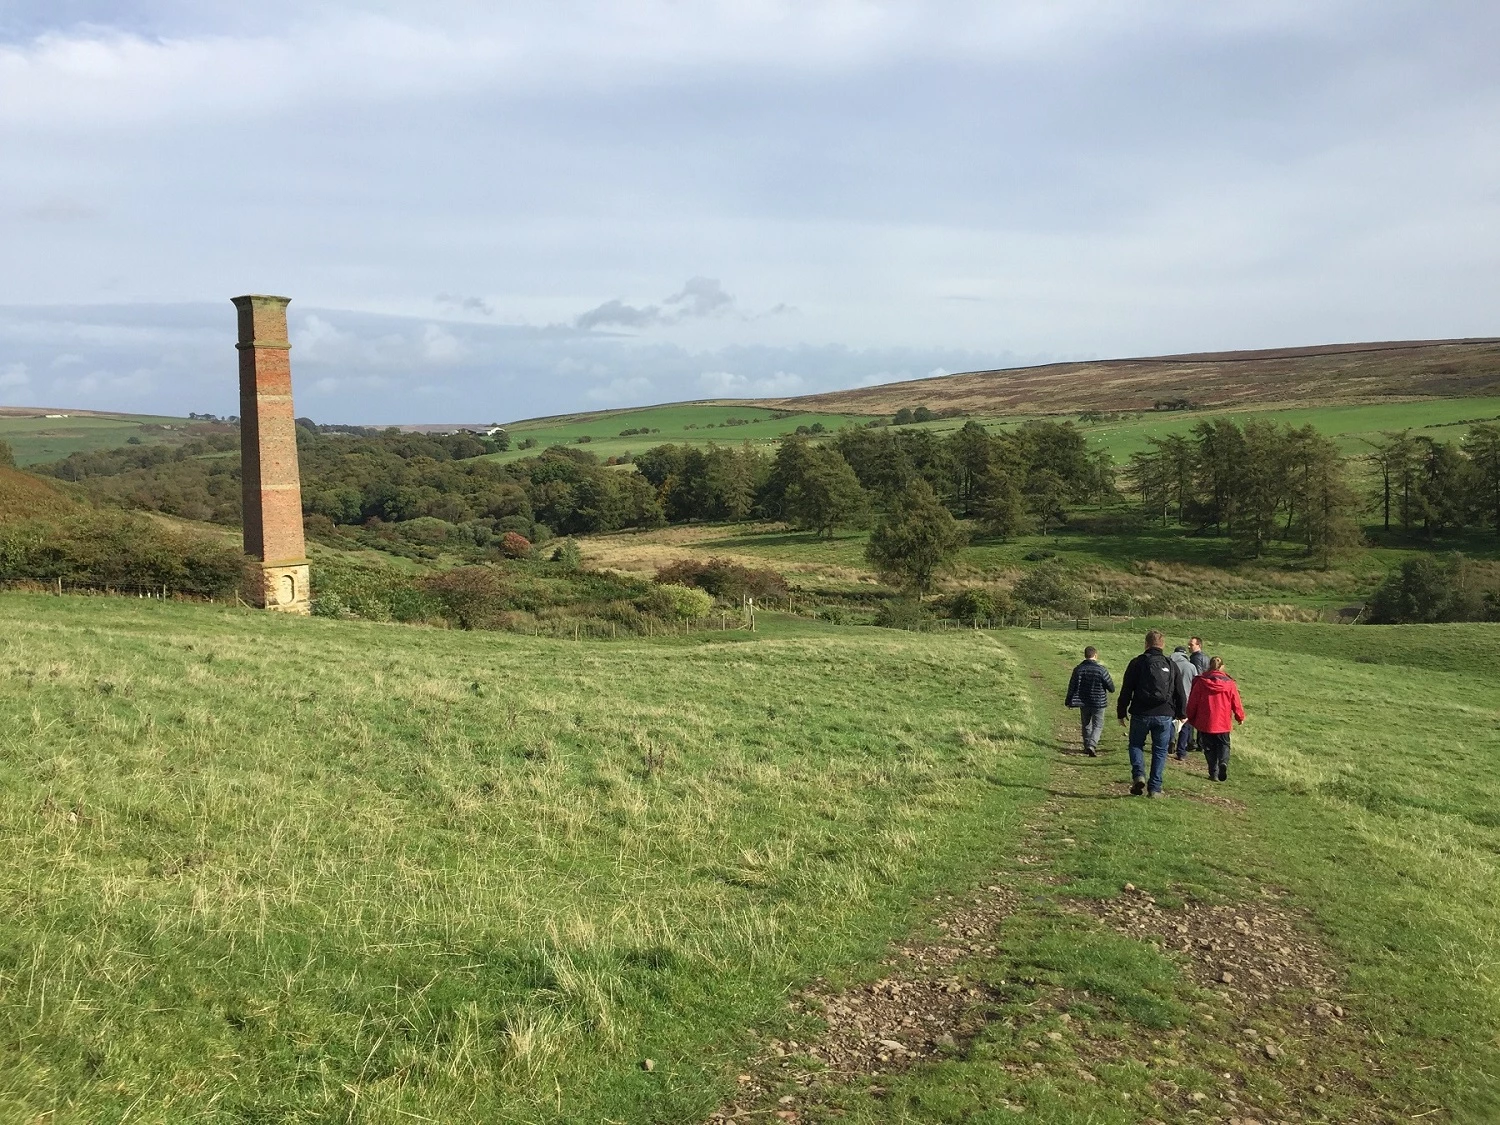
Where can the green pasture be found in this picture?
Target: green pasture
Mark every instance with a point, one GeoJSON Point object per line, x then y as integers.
{"type": "Point", "coordinates": [688, 423]}
{"type": "Point", "coordinates": [267, 868]}
{"type": "Point", "coordinates": [1353, 426]}
{"type": "Point", "coordinates": [38, 439]}
{"type": "Point", "coordinates": [1167, 564]}
{"type": "Point", "coordinates": [1370, 821]}
{"type": "Point", "coordinates": [272, 869]}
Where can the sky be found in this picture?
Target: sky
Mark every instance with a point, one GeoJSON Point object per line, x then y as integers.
{"type": "Point", "coordinates": [491, 211]}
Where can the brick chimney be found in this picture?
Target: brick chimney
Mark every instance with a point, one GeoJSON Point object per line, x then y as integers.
{"type": "Point", "coordinates": [278, 576]}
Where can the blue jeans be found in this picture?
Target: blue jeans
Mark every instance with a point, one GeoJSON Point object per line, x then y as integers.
{"type": "Point", "coordinates": [1159, 728]}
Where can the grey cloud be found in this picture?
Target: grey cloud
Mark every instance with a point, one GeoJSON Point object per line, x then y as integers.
{"type": "Point", "coordinates": [368, 368]}
{"type": "Point", "coordinates": [620, 314]}
{"type": "Point", "coordinates": [700, 296]}
{"type": "Point", "coordinates": [466, 304]}
{"type": "Point", "coordinates": [963, 177]}
{"type": "Point", "coordinates": [60, 210]}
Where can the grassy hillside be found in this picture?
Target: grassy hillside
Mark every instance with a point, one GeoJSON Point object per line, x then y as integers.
{"type": "Point", "coordinates": [260, 868]}
{"type": "Point", "coordinates": [36, 438]}
{"type": "Point", "coordinates": [1164, 569]}
{"type": "Point", "coordinates": [1349, 846]}
{"type": "Point", "coordinates": [1353, 426]}
{"type": "Point", "coordinates": [268, 869]}
{"type": "Point", "coordinates": [1339, 372]}
{"type": "Point", "coordinates": [23, 497]}
{"type": "Point", "coordinates": [692, 423]}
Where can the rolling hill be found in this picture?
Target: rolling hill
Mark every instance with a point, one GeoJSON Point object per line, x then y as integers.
{"type": "Point", "coordinates": [23, 496]}
{"type": "Point", "coordinates": [1305, 376]}
{"type": "Point", "coordinates": [36, 434]}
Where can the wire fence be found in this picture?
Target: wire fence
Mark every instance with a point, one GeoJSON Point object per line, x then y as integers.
{"type": "Point", "coordinates": [60, 586]}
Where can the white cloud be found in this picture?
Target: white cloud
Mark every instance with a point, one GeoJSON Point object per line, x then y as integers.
{"type": "Point", "coordinates": [14, 375]}
{"type": "Point", "coordinates": [619, 392]}
{"type": "Point", "coordinates": [440, 345]}
{"type": "Point", "coordinates": [727, 384]}
{"type": "Point", "coordinates": [315, 338]}
{"type": "Point", "coordinates": [923, 185]}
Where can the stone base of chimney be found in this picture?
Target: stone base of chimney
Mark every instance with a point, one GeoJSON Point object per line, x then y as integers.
{"type": "Point", "coordinates": [285, 587]}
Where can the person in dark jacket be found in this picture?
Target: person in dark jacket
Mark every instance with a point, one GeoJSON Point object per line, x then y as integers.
{"type": "Point", "coordinates": [1197, 655]}
{"type": "Point", "coordinates": [1215, 699]}
{"type": "Point", "coordinates": [1151, 695]}
{"type": "Point", "coordinates": [1089, 690]}
{"type": "Point", "coordinates": [1182, 664]}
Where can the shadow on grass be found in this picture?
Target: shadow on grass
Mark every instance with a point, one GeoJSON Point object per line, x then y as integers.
{"type": "Point", "coordinates": [779, 539]}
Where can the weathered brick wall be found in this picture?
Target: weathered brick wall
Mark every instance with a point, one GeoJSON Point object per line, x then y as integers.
{"type": "Point", "coordinates": [268, 437]}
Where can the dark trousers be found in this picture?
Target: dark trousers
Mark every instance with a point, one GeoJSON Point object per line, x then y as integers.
{"type": "Point", "coordinates": [1092, 719]}
{"type": "Point", "coordinates": [1184, 739]}
{"type": "Point", "coordinates": [1216, 753]}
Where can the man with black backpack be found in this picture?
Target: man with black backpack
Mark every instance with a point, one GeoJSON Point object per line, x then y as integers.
{"type": "Point", "coordinates": [1151, 694]}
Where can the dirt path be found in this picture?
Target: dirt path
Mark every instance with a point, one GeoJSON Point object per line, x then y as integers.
{"type": "Point", "coordinates": [1265, 1035]}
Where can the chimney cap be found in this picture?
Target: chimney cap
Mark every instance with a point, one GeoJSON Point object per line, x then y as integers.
{"type": "Point", "coordinates": [259, 299]}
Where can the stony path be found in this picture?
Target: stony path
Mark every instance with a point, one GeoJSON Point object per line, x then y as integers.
{"type": "Point", "coordinates": [1268, 1006]}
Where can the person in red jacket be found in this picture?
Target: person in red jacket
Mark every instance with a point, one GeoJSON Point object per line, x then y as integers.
{"type": "Point", "coordinates": [1214, 699]}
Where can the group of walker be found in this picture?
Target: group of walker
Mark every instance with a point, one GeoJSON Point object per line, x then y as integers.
{"type": "Point", "coordinates": [1172, 700]}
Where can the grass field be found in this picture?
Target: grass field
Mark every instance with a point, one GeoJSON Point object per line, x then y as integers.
{"type": "Point", "coordinates": [1375, 832]}
{"type": "Point", "coordinates": [1354, 426]}
{"type": "Point", "coordinates": [258, 868]}
{"type": "Point", "coordinates": [37, 439]}
{"type": "Point", "coordinates": [688, 423]}
{"type": "Point", "coordinates": [1155, 567]}
{"type": "Point", "coordinates": [262, 869]}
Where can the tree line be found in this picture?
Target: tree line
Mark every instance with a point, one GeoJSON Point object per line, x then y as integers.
{"type": "Point", "coordinates": [1437, 487]}
{"type": "Point", "coordinates": [1012, 480]}
{"type": "Point", "coordinates": [1258, 483]}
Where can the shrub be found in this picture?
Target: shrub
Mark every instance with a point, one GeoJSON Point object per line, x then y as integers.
{"type": "Point", "coordinates": [1426, 590]}
{"type": "Point", "coordinates": [724, 578]}
{"type": "Point", "coordinates": [686, 603]}
{"type": "Point", "coordinates": [901, 613]}
{"type": "Point", "coordinates": [103, 549]}
{"type": "Point", "coordinates": [427, 530]}
{"type": "Point", "coordinates": [568, 553]}
{"type": "Point", "coordinates": [514, 545]}
{"type": "Point", "coordinates": [329, 605]}
{"type": "Point", "coordinates": [470, 596]}
{"type": "Point", "coordinates": [978, 604]}
{"type": "Point", "coordinates": [1049, 586]}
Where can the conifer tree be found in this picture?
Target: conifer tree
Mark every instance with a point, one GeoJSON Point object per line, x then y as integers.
{"type": "Point", "coordinates": [915, 539]}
